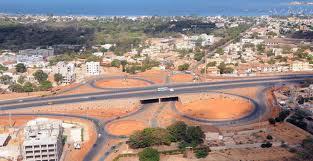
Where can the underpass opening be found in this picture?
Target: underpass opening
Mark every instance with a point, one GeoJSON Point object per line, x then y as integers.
{"type": "Point", "coordinates": [169, 99]}
{"type": "Point", "coordinates": [159, 100]}
{"type": "Point", "coordinates": [148, 101]}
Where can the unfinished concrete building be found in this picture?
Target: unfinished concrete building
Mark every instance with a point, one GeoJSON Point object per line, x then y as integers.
{"type": "Point", "coordinates": [43, 140]}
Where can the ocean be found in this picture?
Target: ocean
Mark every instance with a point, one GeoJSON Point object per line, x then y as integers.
{"type": "Point", "coordinates": [153, 7]}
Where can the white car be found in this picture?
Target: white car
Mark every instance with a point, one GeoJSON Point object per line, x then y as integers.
{"type": "Point", "coordinates": [163, 89]}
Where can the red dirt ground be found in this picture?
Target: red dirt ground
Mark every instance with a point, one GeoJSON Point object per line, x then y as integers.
{"type": "Point", "coordinates": [125, 127]}
{"type": "Point", "coordinates": [121, 83]}
{"type": "Point", "coordinates": [218, 107]}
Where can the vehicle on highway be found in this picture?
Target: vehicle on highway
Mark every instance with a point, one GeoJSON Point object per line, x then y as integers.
{"type": "Point", "coordinates": [163, 89]}
{"type": "Point", "coordinates": [50, 103]}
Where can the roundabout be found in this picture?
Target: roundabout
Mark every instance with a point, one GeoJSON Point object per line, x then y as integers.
{"type": "Point", "coordinates": [120, 83]}
{"type": "Point", "coordinates": [219, 107]}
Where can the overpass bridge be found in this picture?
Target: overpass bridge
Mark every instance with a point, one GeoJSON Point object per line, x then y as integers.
{"type": "Point", "coordinates": [159, 99]}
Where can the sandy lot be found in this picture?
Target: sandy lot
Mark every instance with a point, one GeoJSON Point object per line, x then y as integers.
{"type": "Point", "coordinates": [80, 90]}
{"type": "Point", "coordinates": [157, 76]}
{"type": "Point", "coordinates": [284, 131]}
{"type": "Point", "coordinates": [180, 78]}
{"type": "Point", "coordinates": [125, 127]}
{"type": "Point", "coordinates": [100, 109]}
{"type": "Point", "coordinates": [10, 96]}
{"type": "Point", "coordinates": [217, 107]}
{"type": "Point", "coordinates": [121, 83]}
{"type": "Point", "coordinates": [256, 154]}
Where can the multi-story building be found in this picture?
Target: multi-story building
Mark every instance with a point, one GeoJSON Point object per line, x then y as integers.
{"type": "Point", "coordinates": [42, 52]}
{"type": "Point", "coordinates": [67, 70]}
{"type": "Point", "coordinates": [43, 140]}
{"type": "Point", "coordinates": [93, 68]}
{"type": "Point", "coordinates": [300, 66]}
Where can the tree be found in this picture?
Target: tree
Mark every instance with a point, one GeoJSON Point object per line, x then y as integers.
{"type": "Point", "coordinates": [28, 87]}
{"type": "Point", "coordinates": [21, 79]}
{"type": "Point", "coordinates": [177, 131]}
{"type": "Point", "coordinates": [58, 77]}
{"type": "Point", "coordinates": [271, 61]}
{"type": "Point", "coordinates": [5, 79]}
{"type": "Point", "coordinates": [40, 76]}
{"type": "Point", "coordinates": [20, 68]}
{"type": "Point", "coordinates": [202, 153]}
{"type": "Point", "coordinates": [116, 63]}
{"type": "Point", "coordinates": [194, 135]}
{"type": "Point", "coordinates": [260, 48]}
{"type": "Point", "coordinates": [269, 137]}
{"type": "Point", "coordinates": [149, 154]}
{"type": "Point", "coordinates": [183, 67]}
{"type": "Point", "coordinates": [198, 56]}
{"type": "Point", "coordinates": [45, 85]}
{"type": "Point", "coordinates": [16, 88]}
{"type": "Point", "coordinates": [224, 69]}
{"type": "Point", "coordinates": [272, 121]}
{"type": "Point", "coordinates": [266, 145]}
{"type": "Point", "coordinates": [124, 63]}
{"type": "Point", "coordinates": [149, 137]}
{"type": "Point", "coordinates": [220, 51]}
{"type": "Point", "coordinates": [3, 68]}
{"type": "Point", "coordinates": [255, 35]}
{"type": "Point", "coordinates": [211, 64]}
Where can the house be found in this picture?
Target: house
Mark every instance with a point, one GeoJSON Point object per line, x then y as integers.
{"type": "Point", "coordinates": [67, 70]}
{"type": "Point", "coordinates": [300, 66]}
{"type": "Point", "coordinates": [93, 68]}
{"type": "Point", "coordinates": [45, 53]}
{"type": "Point", "coordinates": [99, 54]}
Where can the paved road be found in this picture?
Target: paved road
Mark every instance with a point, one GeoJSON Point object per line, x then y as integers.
{"type": "Point", "coordinates": [148, 92]}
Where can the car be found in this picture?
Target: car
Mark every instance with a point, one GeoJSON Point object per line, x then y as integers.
{"type": "Point", "coordinates": [171, 90]}
{"type": "Point", "coordinates": [20, 100]}
{"type": "Point", "coordinates": [162, 89]}
{"type": "Point", "coordinates": [50, 103]}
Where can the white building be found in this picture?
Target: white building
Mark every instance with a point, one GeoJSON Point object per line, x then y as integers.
{"type": "Point", "coordinates": [43, 140]}
{"type": "Point", "coordinates": [93, 68]}
{"type": "Point", "coordinates": [67, 70]}
{"type": "Point", "coordinates": [300, 66]}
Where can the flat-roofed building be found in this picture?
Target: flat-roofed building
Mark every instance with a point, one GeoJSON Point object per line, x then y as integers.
{"type": "Point", "coordinates": [93, 68]}
{"type": "Point", "coordinates": [43, 140]}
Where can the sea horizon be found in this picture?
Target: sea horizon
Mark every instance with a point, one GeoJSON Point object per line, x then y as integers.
{"type": "Point", "coordinates": [131, 8]}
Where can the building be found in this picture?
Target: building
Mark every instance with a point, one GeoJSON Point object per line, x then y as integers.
{"type": "Point", "coordinates": [42, 52]}
{"type": "Point", "coordinates": [300, 66]}
{"type": "Point", "coordinates": [43, 140]}
{"type": "Point", "coordinates": [30, 60]}
{"type": "Point", "coordinates": [67, 70]}
{"type": "Point", "coordinates": [93, 68]}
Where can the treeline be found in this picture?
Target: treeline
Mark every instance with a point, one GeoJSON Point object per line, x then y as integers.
{"type": "Point", "coordinates": [182, 26]}
{"type": "Point", "coordinates": [19, 36]}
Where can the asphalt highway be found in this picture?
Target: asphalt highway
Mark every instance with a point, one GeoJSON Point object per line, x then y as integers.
{"type": "Point", "coordinates": [149, 91]}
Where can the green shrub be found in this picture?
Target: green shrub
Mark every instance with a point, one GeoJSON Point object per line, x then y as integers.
{"type": "Point", "coordinates": [149, 154]}
{"type": "Point", "coordinates": [202, 153]}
